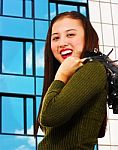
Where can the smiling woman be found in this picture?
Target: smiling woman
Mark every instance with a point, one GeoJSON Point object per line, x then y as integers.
{"type": "Point", "coordinates": [67, 38]}
{"type": "Point", "coordinates": [73, 108]}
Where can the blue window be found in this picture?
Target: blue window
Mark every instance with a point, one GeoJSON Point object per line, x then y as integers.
{"type": "Point", "coordinates": [19, 8]}
{"type": "Point", "coordinates": [52, 10]}
{"type": "Point", "coordinates": [41, 9]}
{"type": "Point", "coordinates": [16, 84]}
{"type": "Point", "coordinates": [12, 109]}
{"type": "Point", "coordinates": [83, 10]}
{"type": "Point", "coordinates": [41, 28]}
{"type": "Point", "coordinates": [28, 9]}
{"type": "Point", "coordinates": [12, 57]}
{"type": "Point", "coordinates": [62, 8]}
{"type": "Point", "coordinates": [16, 27]}
{"type": "Point", "coordinates": [13, 7]}
{"type": "Point", "coordinates": [29, 58]}
{"type": "Point", "coordinates": [39, 57]}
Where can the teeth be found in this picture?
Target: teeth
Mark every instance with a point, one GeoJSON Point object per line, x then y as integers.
{"type": "Point", "coordinates": [66, 52]}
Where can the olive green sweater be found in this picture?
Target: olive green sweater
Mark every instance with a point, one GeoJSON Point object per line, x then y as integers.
{"type": "Point", "coordinates": [73, 112]}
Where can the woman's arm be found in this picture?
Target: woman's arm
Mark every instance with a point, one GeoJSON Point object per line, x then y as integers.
{"type": "Point", "coordinates": [63, 100]}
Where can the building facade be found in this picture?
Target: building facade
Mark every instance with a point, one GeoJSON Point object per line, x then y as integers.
{"type": "Point", "coordinates": [23, 28]}
{"type": "Point", "coordinates": [103, 15]}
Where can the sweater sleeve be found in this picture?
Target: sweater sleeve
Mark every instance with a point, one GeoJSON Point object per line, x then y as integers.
{"type": "Point", "coordinates": [63, 100]}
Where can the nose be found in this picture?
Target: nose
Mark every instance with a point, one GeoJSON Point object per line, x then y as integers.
{"type": "Point", "coordinates": [63, 42]}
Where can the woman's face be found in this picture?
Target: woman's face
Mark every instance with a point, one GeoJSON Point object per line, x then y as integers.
{"type": "Point", "coordinates": [67, 38]}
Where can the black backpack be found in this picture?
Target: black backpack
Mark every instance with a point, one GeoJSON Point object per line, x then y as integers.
{"type": "Point", "coordinates": [112, 75]}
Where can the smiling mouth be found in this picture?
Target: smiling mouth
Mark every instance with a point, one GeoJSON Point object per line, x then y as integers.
{"type": "Point", "coordinates": [66, 53]}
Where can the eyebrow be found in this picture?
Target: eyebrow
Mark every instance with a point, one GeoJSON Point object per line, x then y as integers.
{"type": "Point", "coordinates": [66, 31]}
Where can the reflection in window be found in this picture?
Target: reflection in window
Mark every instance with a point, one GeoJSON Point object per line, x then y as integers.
{"type": "Point", "coordinates": [39, 47]}
{"type": "Point", "coordinates": [41, 28]}
{"type": "Point", "coordinates": [29, 58]}
{"type": "Point", "coordinates": [24, 8]}
{"type": "Point", "coordinates": [17, 84]}
{"type": "Point", "coordinates": [38, 101]}
{"type": "Point", "coordinates": [12, 112]}
{"type": "Point", "coordinates": [0, 7]}
{"type": "Point", "coordinates": [29, 108]}
{"type": "Point", "coordinates": [83, 10]}
{"type": "Point", "coordinates": [41, 10]}
{"type": "Point", "coordinates": [39, 139]}
{"type": "Point", "coordinates": [39, 86]}
{"type": "Point", "coordinates": [0, 56]}
{"type": "Point", "coordinates": [28, 8]}
{"type": "Point", "coordinates": [83, 1]}
{"type": "Point", "coordinates": [62, 8]}
{"type": "Point", "coordinates": [52, 10]}
{"type": "Point", "coordinates": [96, 147]}
{"type": "Point", "coordinates": [13, 7]}
{"type": "Point", "coordinates": [17, 110]}
{"type": "Point", "coordinates": [17, 142]}
{"type": "Point", "coordinates": [18, 27]}
{"type": "Point", "coordinates": [12, 57]}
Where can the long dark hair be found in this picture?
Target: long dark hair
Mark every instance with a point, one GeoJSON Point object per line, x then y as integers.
{"type": "Point", "coordinates": [51, 64]}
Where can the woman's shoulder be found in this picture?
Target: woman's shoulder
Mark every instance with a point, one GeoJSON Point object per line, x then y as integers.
{"type": "Point", "coordinates": [95, 66]}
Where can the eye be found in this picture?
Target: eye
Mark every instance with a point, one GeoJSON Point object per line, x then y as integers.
{"type": "Point", "coordinates": [70, 34]}
{"type": "Point", "coordinates": [55, 38]}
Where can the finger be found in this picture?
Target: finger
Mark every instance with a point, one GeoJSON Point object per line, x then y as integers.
{"type": "Point", "coordinates": [83, 59]}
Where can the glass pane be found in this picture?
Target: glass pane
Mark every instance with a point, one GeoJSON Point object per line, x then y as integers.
{"type": "Point", "coordinates": [29, 116]}
{"type": "Point", "coordinates": [1, 56]}
{"type": "Point", "coordinates": [63, 8]}
{"type": "Point", "coordinates": [0, 7]}
{"type": "Point", "coordinates": [12, 57]}
{"type": "Point", "coordinates": [12, 118]}
{"type": "Point", "coordinates": [83, 1]}
{"type": "Point", "coordinates": [52, 10]}
{"type": "Point", "coordinates": [16, 84]}
{"type": "Point", "coordinates": [41, 28]}
{"type": "Point", "coordinates": [39, 47]}
{"type": "Point", "coordinates": [10, 5]}
{"type": "Point", "coordinates": [18, 27]}
{"type": "Point", "coordinates": [17, 143]}
{"type": "Point", "coordinates": [38, 101]}
{"type": "Point", "coordinates": [96, 147]}
{"type": "Point", "coordinates": [39, 86]}
{"type": "Point", "coordinates": [83, 10]}
{"type": "Point", "coordinates": [28, 8]}
{"type": "Point", "coordinates": [29, 59]}
{"type": "Point", "coordinates": [39, 139]}
{"type": "Point", "coordinates": [41, 9]}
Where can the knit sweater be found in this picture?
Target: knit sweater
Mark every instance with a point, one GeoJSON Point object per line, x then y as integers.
{"type": "Point", "coordinates": [72, 113]}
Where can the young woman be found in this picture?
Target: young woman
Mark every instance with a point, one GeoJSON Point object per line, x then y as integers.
{"type": "Point", "coordinates": [73, 108]}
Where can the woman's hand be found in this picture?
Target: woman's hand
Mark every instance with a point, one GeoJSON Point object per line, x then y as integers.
{"type": "Point", "coordinates": [68, 68]}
